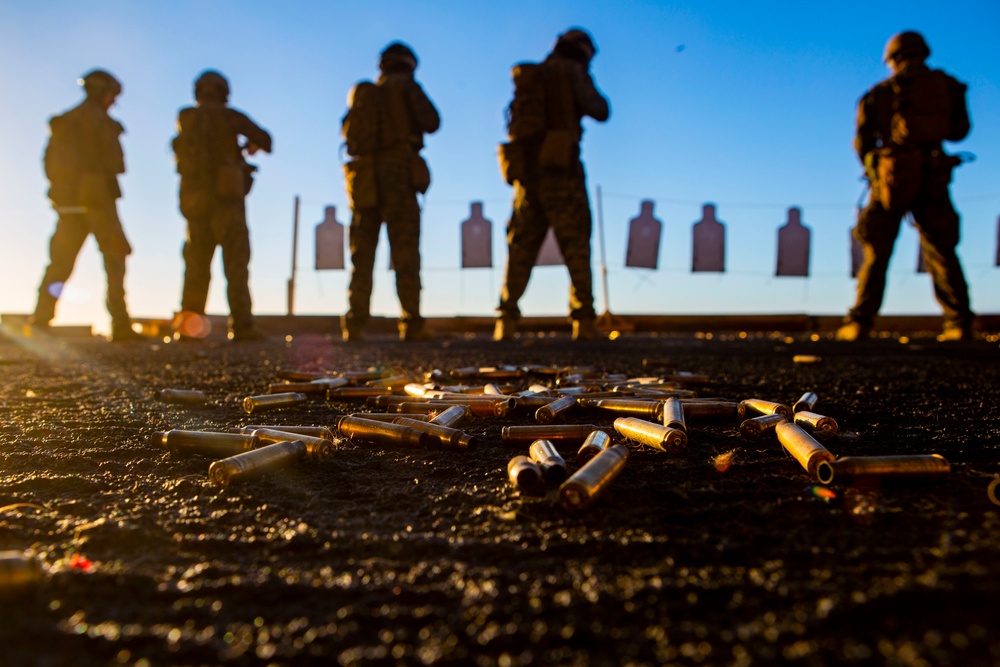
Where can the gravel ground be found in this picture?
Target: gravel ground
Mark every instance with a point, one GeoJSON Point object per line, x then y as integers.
{"type": "Point", "coordinates": [398, 556]}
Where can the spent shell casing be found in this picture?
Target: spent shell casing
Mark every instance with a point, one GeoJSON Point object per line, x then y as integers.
{"type": "Point", "coordinates": [652, 391]}
{"type": "Point", "coordinates": [524, 474]}
{"type": "Point", "coordinates": [479, 409]}
{"type": "Point", "coordinates": [331, 382]}
{"type": "Point", "coordinates": [759, 428]}
{"type": "Point", "coordinates": [533, 401]}
{"type": "Point", "coordinates": [553, 466]}
{"type": "Point", "coordinates": [314, 431]}
{"type": "Point", "coordinates": [555, 410]}
{"type": "Point", "coordinates": [802, 446]}
{"type": "Point", "coordinates": [673, 414]}
{"type": "Point", "coordinates": [293, 375]}
{"type": "Point", "coordinates": [355, 393]}
{"type": "Point", "coordinates": [391, 382]}
{"type": "Point", "coordinates": [358, 429]}
{"type": "Point", "coordinates": [388, 416]}
{"type": "Point", "coordinates": [300, 387]}
{"type": "Point", "coordinates": [699, 409]}
{"type": "Point", "coordinates": [205, 442]}
{"type": "Point", "coordinates": [365, 376]}
{"type": "Point", "coordinates": [252, 404]}
{"type": "Point", "coordinates": [182, 396]}
{"type": "Point", "coordinates": [492, 389]}
{"type": "Point", "coordinates": [445, 437]}
{"type": "Point", "coordinates": [452, 416]}
{"type": "Point", "coordinates": [317, 449]}
{"type": "Point", "coordinates": [806, 402]}
{"type": "Point", "coordinates": [18, 571]}
{"type": "Point", "coordinates": [256, 462]}
{"type": "Point", "coordinates": [658, 436]}
{"type": "Point", "coordinates": [589, 482]}
{"type": "Point", "coordinates": [871, 468]}
{"type": "Point", "coordinates": [595, 443]}
{"type": "Point", "coordinates": [569, 434]}
{"type": "Point", "coordinates": [819, 425]}
{"type": "Point", "coordinates": [637, 407]}
{"type": "Point", "coordinates": [752, 407]}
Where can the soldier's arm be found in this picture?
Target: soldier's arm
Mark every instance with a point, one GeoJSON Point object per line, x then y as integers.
{"type": "Point", "coordinates": [254, 133]}
{"type": "Point", "coordinates": [866, 134]}
{"type": "Point", "coordinates": [588, 98]}
{"type": "Point", "coordinates": [113, 156]}
{"type": "Point", "coordinates": [960, 123]}
{"type": "Point", "coordinates": [424, 112]}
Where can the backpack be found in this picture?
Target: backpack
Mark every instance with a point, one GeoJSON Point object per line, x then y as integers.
{"type": "Point", "coordinates": [923, 108]}
{"type": "Point", "coordinates": [525, 114]}
{"type": "Point", "coordinates": [360, 125]}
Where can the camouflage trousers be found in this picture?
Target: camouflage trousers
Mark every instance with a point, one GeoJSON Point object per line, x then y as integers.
{"type": "Point", "coordinates": [398, 208]}
{"type": "Point", "coordinates": [71, 232]}
{"type": "Point", "coordinates": [938, 224]}
{"type": "Point", "coordinates": [223, 224]}
{"type": "Point", "coordinates": [558, 200]}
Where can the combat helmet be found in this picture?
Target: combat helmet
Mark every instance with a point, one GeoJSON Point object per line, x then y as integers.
{"type": "Point", "coordinates": [97, 82]}
{"type": "Point", "coordinates": [904, 45]}
{"type": "Point", "coordinates": [576, 43]}
{"type": "Point", "coordinates": [211, 85]}
{"type": "Point", "coordinates": [397, 56]}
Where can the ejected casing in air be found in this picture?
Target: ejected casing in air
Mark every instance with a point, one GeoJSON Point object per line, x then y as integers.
{"type": "Point", "coordinates": [673, 414]}
{"type": "Point", "coordinates": [802, 446]}
{"type": "Point", "coordinates": [595, 443]}
{"type": "Point", "coordinates": [553, 466]}
{"type": "Point", "coordinates": [182, 396]}
{"type": "Point", "coordinates": [524, 473]}
{"type": "Point", "coordinates": [317, 449]}
{"type": "Point", "coordinates": [300, 387]}
{"type": "Point", "coordinates": [256, 462]}
{"type": "Point", "coordinates": [752, 407]}
{"type": "Point", "coordinates": [570, 434]}
{"type": "Point", "coordinates": [820, 426]}
{"type": "Point", "coordinates": [18, 571]}
{"type": "Point", "coordinates": [869, 468]}
{"type": "Point", "coordinates": [452, 416]}
{"type": "Point", "coordinates": [758, 428]}
{"type": "Point", "coordinates": [205, 442]}
{"type": "Point", "coordinates": [555, 410]}
{"type": "Point", "coordinates": [658, 436]}
{"type": "Point", "coordinates": [625, 406]}
{"type": "Point", "coordinates": [314, 431]}
{"type": "Point", "coordinates": [445, 437]}
{"type": "Point", "coordinates": [586, 484]}
{"type": "Point", "coordinates": [386, 433]}
{"type": "Point", "coordinates": [353, 393]}
{"type": "Point", "coordinates": [252, 404]}
{"type": "Point", "coordinates": [806, 402]}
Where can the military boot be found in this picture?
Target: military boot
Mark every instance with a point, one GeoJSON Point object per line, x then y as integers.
{"type": "Point", "coordinates": [853, 332]}
{"type": "Point", "coordinates": [586, 330]}
{"type": "Point", "coordinates": [505, 328]}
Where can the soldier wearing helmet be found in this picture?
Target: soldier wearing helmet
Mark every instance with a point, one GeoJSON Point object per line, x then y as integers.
{"type": "Point", "coordinates": [209, 148]}
{"type": "Point", "coordinates": [82, 162]}
{"type": "Point", "coordinates": [383, 132]}
{"type": "Point", "coordinates": [901, 125]}
{"type": "Point", "coordinates": [552, 191]}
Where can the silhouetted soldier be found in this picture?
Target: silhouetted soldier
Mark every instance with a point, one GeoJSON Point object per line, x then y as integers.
{"type": "Point", "coordinates": [82, 162]}
{"type": "Point", "coordinates": [902, 123]}
{"type": "Point", "coordinates": [215, 179]}
{"type": "Point", "coordinates": [544, 167]}
{"type": "Point", "coordinates": [383, 132]}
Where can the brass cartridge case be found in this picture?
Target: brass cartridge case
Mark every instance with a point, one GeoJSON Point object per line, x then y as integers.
{"type": "Point", "coordinates": [445, 437]}
{"type": "Point", "coordinates": [595, 443]}
{"type": "Point", "coordinates": [820, 426]}
{"type": "Point", "coordinates": [252, 404]}
{"type": "Point", "coordinates": [477, 408]}
{"type": "Point", "coordinates": [870, 468]}
{"type": "Point", "coordinates": [758, 428]}
{"type": "Point", "coordinates": [300, 387]}
{"type": "Point", "coordinates": [653, 391]}
{"type": "Point", "coordinates": [686, 378]}
{"type": "Point", "coordinates": [452, 416]}
{"type": "Point", "coordinates": [419, 408]}
{"type": "Point", "coordinates": [18, 571]}
{"type": "Point", "coordinates": [205, 442]}
{"type": "Point", "coordinates": [464, 372]}
{"type": "Point", "coordinates": [673, 414]}
{"type": "Point", "coordinates": [492, 389]}
{"type": "Point", "coordinates": [589, 482]}
{"type": "Point", "coordinates": [669, 440]}
{"type": "Point", "coordinates": [386, 401]}
{"type": "Point", "coordinates": [314, 431]}
{"type": "Point", "coordinates": [317, 449]}
{"type": "Point", "coordinates": [392, 382]}
{"type": "Point", "coordinates": [753, 407]}
{"type": "Point", "coordinates": [802, 446]}
{"type": "Point", "coordinates": [553, 466]}
{"type": "Point", "coordinates": [698, 409]}
{"type": "Point", "coordinates": [331, 382]}
{"type": "Point", "coordinates": [658, 363]}
{"type": "Point", "coordinates": [524, 474]}
{"type": "Point", "coordinates": [555, 410]}
{"type": "Point", "coordinates": [533, 401]}
{"type": "Point", "coordinates": [806, 402]}
{"type": "Point", "coordinates": [386, 416]}
{"type": "Point", "coordinates": [539, 389]}
{"type": "Point", "coordinates": [417, 389]}
{"type": "Point", "coordinates": [502, 372]}
{"type": "Point", "coordinates": [255, 463]}
{"type": "Point", "coordinates": [182, 396]}
{"type": "Point", "coordinates": [568, 434]}
{"type": "Point", "coordinates": [358, 429]}
{"type": "Point", "coordinates": [365, 376]}
{"type": "Point", "coordinates": [297, 376]}
{"type": "Point", "coordinates": [625, 406]}
{"type": "Point", "coordinates": [354, 393]}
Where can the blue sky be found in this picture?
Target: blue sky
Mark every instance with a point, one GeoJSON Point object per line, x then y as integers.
{"type": "Point", "coordinates": [746, 105]}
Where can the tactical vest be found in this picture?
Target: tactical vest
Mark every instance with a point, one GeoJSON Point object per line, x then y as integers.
{"type": "Point", "coordinates": [923, 108]}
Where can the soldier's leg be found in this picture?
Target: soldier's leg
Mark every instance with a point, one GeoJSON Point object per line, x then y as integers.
{"type": "Point", "coordinates": [403, 226]}
{"type": "Point", "coordinates": [365, 226]}
{"type": "Point", "coordinates": [526, 231]}
{"type": "Point", "coordinates": [114, 246]}
{"type": "Point", "coordinates": [938, 223]}
{"type": "Point", "coordinates": [876, 230]}
{"type": "Point", "coordinates": [568, 208]}
{"type": "Point", "coordinates": [64, 246]}
{"type": "Point", "coordinates": [234, 237]}
{"type": "Point", "coordinates": [199, 248]}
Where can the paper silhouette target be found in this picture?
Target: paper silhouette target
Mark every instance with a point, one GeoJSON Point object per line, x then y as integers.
{"type": "Point", "coordinates": [329, 242]}
{"type": "Point", "coordinates": [644, 232]}
{"type": "Point", "coordinates": [793, 246]}
{"type": "Point", "coordinates": [477, 239]}
{"type": "Point", "coordinates": [708, 243]}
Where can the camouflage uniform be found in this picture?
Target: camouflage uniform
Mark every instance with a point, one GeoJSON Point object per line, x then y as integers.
{"type": "Point", "coordinates": [209, 136]}
{"type": "Point", "coordinates": [400, 140]}
{"type": "Point", "coordinates": [85, 196]}
{"type": "Point", "coordinates": [932, 210]}
{"type": "Point", "coordinates": [556, 196]}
